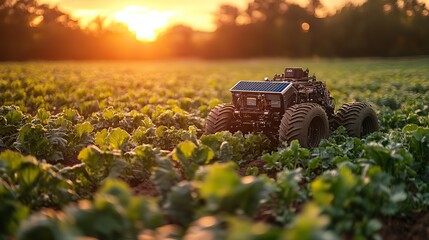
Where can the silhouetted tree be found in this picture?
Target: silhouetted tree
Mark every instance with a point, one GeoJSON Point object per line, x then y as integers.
{"type": "Point", "coordinates": [280, 28]}
{"type": "Point", "coordinates": [176, 41]}
{"type": "Point", "coordinates": [227, 15]}
{"type": "Point", "coordinates": [264, 28]}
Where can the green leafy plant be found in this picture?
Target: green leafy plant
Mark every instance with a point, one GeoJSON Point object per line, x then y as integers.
{"type": "Point", "coordinates": [34, 184]}
{"type": "Point", "coordinates": [191, 156]}
{"type": "Point", "coordinates": [286, 158]}
{"type": "Point", "coordinates": [287, 194]}
{"type": "Point", "coordinates": [12, 211]}
{"type": "Point", "coordinates": [11, 119]}
{"type": "Point", "coordinates": [343, 196]}
{"type": "Point", "coordinates": [164, 176]}
{"type": "Point", "coordinates": [224, 191]}
{"type": "Point", "coordinates": [114, 213]}
{"type": "Point", "coordinates": [100, 164]}
{"type": "Point", "coordinates": [236, 147]}
{"type": "Point", "coordinates": [310, 224]}
{"type": "Point", "coordinates": [41, 142]}
{"type": "Point", "coordinates": [112, 139]}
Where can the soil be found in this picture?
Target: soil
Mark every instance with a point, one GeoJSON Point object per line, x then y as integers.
{"type": "Point", "coordinates": [70, 160]}
{"type": "Point", "coordinates": [260, 165]}
{"type": "Point", "coordinates": [414, 227]}
{"type": "Point", "coordinates": [146, 188]}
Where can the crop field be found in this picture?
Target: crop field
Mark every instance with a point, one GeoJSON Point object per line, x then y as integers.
{"type": "Point", "coordinates": [117, 150]}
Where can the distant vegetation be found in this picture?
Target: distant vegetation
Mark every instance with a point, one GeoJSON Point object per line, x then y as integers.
{"type": "Point", "coordinates": [265, 28]}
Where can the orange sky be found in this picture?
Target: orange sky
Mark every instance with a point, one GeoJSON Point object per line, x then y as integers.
{"type": "Point", "coordinates": [195, 13]}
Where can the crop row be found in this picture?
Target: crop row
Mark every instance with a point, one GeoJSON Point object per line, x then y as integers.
{"type": "Point", "coordinates": [73, 141]}
{"type": "Point", "coordinates": [346, 183]}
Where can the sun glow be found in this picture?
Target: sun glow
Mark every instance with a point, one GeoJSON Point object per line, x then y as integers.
{"type": "Point", "coordinates": [146, 23]}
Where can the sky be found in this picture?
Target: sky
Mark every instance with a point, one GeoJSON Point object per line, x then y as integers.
{"type": "Point", "coordinates": [195, 13]}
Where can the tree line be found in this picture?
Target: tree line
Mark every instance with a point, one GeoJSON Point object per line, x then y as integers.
{"type": "Point", "coordinates": [265, 28]}
{"type": "Point", "coordinates": [278, 28]}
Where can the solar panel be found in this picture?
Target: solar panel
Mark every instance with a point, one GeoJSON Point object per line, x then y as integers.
{"type": "Point", "coordinates": [253, 86]}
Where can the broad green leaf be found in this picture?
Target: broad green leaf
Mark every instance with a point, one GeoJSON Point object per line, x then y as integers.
{"type": "Point", "coordinates": [211, 141]}
{"type": "Point", "coordinates": [314, 162]}
{"type": "Point", "coordinates": [187, 148]}
{"type": "Point", "coordinates": [108, 113]}
{"type": "Point", "coordinates": [143, 209]}
{"type": "Point", "coordinates": [159, 132]}
{"type": "Point", "coordinates": [43, 115]}
{"type": "Point", "coordinates": [321, 193]}
{"type": "Point", "coordinates": [165, 176]}
{"type": "Point", "coordinates": [294, 145]}
{"type": "Point", "coordinates": [118, 137]}
{"type": "Point", "coordinates": [410, 128]}
{"type": "Point", "coordinates": [83, 128]}
{"type": "Point", "coordinates": [225, 152]}
{"type": "Point", "coordinates": [421, 134]}
{"type": "Point", "coordinates": [203, 154]}
{"type": "Point", "coordinates": [179, 204]}
{"type": "Point", "coordinates": [240, 228]}
{"type": "Point", "coordinates": [31, 131]}
{"type": "Point", "coordinates": [374, 170]}
{"type": "Point", "coordinates": [32, 139]}
{"type": "Point", "coordinates": [70, 114]}
{"type": "Point", "coordinates": [309, 224]}
{"type": "Point", "coordinates": [28, 174]}
{"type": "Point", "coordinates": [100, 138]}
{"type": "Point", "coordinates": [118, 189]}
{"type": "Point", "coordinates": [103, 219]}
{"type": "Point", "coordinates": [189, 156]}
{"type": "Point", "coordinates": [303, 152]}
{"type": "Point", "coordinates": [90, 155]}
{"type": "Point", "coordinates": [220, 181]}
{"type": "Point", "coordinates": [12, 211]}
{"type": "Point", "coordinates": [97, 162]}
{"type": "Point", "coordinates": [14, 117]}
{"type": "Point", "coordinates": [42, 226]}
{"type": "Point", "coordinates": [347, 177]}
{"type": "Point", "coordinates": [147, 123]}
{"type": "Point", "coordinates": [12, 159]}
{"type": "Point", "coordinates": [117, 167]}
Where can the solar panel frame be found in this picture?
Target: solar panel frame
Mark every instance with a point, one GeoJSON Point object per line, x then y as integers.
{"type": "Point", "coordinates": [258, 86]}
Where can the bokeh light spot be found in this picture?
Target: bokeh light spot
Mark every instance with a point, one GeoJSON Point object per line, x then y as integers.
{"type": "Point", "coordinates": [305, 27]}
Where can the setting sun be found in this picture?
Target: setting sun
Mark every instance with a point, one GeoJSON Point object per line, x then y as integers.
{"type": "Point", "coordinates": [145, 22]}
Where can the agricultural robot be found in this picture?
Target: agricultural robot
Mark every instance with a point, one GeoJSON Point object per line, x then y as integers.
{"type": "Point", "coordinates": [291, 105]}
